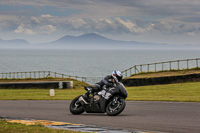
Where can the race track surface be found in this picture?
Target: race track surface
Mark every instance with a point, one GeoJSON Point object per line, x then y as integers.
{"type": "Point", "coordinates": [173, 117]}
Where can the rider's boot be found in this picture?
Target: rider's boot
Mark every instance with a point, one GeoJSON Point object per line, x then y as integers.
{"type": "Point", "coordinates": [85, 98]}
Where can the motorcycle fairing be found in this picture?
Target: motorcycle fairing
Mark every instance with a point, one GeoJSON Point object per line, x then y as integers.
{"type": "Point", "coordinates": [109, 93]}
{"type": "Point", "coordinates": [96, 107]}
{"type": "Point", "coordinates": [122, 90]}
{"type": "Point", "coordinates": [106, 95]}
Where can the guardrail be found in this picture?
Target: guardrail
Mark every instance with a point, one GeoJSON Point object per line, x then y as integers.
{"type": "Point", "coordinates": [46, 74]}
{"type": "Point", "coordinates": [162, 66]}
{"type": "Point", "coordinates": [152, 67]}
{"type": "Point", "coordinates": [37, 75]}
{"type": "Point", "coordinates": [45, 85]}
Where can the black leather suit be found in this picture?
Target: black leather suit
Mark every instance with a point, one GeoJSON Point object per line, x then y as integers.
{"type": "Point", "coordinates": [108, 81]}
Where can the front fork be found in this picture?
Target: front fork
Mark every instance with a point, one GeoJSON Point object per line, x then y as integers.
{"type": "Point", "coordinates": [115, 100]}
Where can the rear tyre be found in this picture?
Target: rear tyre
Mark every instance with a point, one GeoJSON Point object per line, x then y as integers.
{"type": "Point", "coordinates": [115, 106]}
{"type": "Point", "coordinates": [76, 107]}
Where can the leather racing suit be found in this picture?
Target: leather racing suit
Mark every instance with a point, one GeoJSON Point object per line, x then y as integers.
{"type": "Point", "coordinates": [108, 81]}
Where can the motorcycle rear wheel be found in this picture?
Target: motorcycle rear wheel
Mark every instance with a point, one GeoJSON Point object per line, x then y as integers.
{"type": "Point", "coordinates": [115, 107]}
{"type": "Point", "coordinates": [76, 107]}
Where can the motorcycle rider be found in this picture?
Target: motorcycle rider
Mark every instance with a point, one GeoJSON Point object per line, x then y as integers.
{"type": "Point", "coordinates": [108, 81]}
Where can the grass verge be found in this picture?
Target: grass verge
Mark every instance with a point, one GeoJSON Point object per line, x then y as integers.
{"type": "Point", "coordinates": [7, 127]}
{"type": "Point", "coordinates": [166, 73]}
{"type": "Point", "coordinates": [39, 94]}
{"type": "Point", "coordinates": [76, 83]}
{"type": "Point", "coordinates": [181, 92]}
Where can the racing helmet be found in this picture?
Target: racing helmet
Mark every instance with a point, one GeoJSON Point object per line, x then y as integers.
{"type": "Point", "coordinates": [117, 74]}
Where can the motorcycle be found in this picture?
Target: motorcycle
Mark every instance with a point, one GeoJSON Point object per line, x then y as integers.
{"type": "Point", "coordinates": [110, 100]}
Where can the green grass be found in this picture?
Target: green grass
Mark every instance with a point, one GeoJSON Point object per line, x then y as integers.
{"type": "Point", "coordinates": [182, 92]}
{"type": "Point", "coordinates": [76, 83]}
{"type": "Point", "coordinates": [6, 127]}
{"type": "Point", "coordinates": [172, 72]}
{"type": "Point", "coordinates": [39, 94]}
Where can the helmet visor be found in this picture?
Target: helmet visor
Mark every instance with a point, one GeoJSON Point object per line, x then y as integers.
{"type": "Point", "coordinates": [119, 77]}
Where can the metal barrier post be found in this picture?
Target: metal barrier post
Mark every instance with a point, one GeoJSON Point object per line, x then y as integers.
{"type": "Point", "coordinates": [178, 64]}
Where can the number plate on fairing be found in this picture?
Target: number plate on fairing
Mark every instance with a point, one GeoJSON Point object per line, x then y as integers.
{"type": "Point", "coordinates": [104, 94]}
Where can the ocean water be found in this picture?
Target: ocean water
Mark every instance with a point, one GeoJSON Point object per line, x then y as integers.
{"type": "Point", "coordinates": [86, 63]}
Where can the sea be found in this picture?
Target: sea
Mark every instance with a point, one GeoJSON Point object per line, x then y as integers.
{"type": "Point", "coordinates": [85, 63]}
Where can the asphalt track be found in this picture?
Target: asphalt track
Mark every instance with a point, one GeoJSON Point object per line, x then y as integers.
{"type": "Point", "coordinates": [172, 117]}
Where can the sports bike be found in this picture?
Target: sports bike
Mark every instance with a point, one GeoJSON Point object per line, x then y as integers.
{"type": "Point", "coordinates": [110, 100]}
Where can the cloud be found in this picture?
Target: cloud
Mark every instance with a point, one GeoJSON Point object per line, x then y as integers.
{"type": "Point", "coordinates": [131, 17]}
{"type": "Point", "coordinates": [48, 24]}
{"type": "Point", "coordinates": [21, 29]}
{"type": "Point", "coordinates": [176, 28]}
{"type": "Point", "coordinates": [8, 22]}
{"type": "Point", "coordinates": [48, 29]}
{"type": "Point", "coordinates": [46, 16]}
{"type": "Point", "coordinates": [159, 7]}
{"type": "Point", "coordinates": [108, 8]}
{"type": "Point", "coordinates": [87, 9]}
{"type": "Point", "coordinates": [190, 19]}
{"type": "Point", "coordinates": [115, 25]}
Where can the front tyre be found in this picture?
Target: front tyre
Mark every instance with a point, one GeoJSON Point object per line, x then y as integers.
{"type": "Point", "coordinates": [76, 107]}
{"type": "Point", "coordinates": [115, 106]}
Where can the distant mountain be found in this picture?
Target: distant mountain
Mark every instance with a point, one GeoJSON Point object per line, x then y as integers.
{"type": "Point", "coordinates": [15, 43]}
{"type": "Point", "coordinates": [95, 41]}
{"type": "Point", "coordinates": [86, 38]}
{"type": "Point", "coordinates": [90, 41]}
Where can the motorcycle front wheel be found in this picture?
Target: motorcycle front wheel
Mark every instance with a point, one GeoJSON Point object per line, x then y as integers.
{"type": "Point", "coordinates": [76, 107]}
{"type": "Point", "coordinates": [115, 106]}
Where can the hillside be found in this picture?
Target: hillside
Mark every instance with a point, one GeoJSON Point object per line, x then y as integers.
{"type": "Point", "coordinates": [92, 41]}
{"type": "Point", "coordinates": [166, 77]}
{"type": "Point", "coordinates": [95, 41]}
{"type": "Point", "coordinates": [165, 74]}
{"type": "Point", "coordinates": [15, 43]}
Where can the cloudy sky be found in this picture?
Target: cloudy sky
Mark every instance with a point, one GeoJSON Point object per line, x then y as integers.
{"type": "Point", "coordinates": [159, 21]}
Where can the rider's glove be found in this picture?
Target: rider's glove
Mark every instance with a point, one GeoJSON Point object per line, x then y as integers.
{"type": "Point", "coordinates": [110, 85]}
